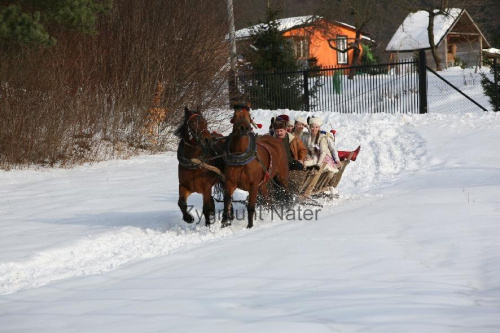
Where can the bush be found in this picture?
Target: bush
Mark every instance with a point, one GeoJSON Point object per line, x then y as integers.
{"type": "Point", "coordinates": [490, 89]}
{"type": "Point", "coordinates": [86, 98]}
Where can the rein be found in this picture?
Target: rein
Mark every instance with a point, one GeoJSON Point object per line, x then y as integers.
{"type": "Point", "coordinates": [267, 174]}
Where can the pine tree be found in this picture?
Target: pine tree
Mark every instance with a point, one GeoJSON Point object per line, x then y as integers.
{"type": "Point", "coordinates": [29, 22]}
{"type": "Point", "coordinates": [490, 90]}
{"type": "Point", "coordinates": [270, 51]}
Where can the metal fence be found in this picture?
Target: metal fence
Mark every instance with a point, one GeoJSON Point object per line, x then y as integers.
{"type": "Point", "coordinates": [404, 87]}
{"type": "Point", "coordinates": [390, 88]}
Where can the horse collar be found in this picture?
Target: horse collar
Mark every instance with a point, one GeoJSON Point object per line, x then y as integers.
{"type": "Point", "coordinates": [241, 158]}
{"type": "Point", "coordinates": [184, 161]}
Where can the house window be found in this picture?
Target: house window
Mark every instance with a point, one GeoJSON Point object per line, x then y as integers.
{"type": "Point", "coordinates": [301, 47]}
{"type": "Point", "coordinates": [341, 45]}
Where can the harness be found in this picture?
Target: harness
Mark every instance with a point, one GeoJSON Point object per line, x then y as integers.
{"type": "Point", "coordinates": [240, 159]}
{"type": "Point", "coordinates": [184, 161]}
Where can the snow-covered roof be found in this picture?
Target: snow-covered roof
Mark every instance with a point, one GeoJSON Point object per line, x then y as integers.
{"type": "Point", "coordinates": [283, 24]}
{"type": "Point", "coordinates": [288, 23]}
{"type": "Point", "coordinates": [492, 52]}
{"type": "Point", "coordinates": [412, 33]}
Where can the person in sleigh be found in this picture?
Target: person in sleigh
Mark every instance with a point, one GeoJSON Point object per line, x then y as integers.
{"type": "Point", "coordinates": [317, 148]}
{"type": "Point", "coordinates": [338, 156]}
{"type": "Point", "coordinates": [282, 118]}
{"type": "Point", "coordinates": [298, 127]}
{"type": "Point", "coordinates": [295, 149]}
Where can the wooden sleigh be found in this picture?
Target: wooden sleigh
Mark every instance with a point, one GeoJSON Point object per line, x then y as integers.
{"type": "Point", "coordinates": [306, 186]}
{"type": "Point", "coordinates": [311, 184]}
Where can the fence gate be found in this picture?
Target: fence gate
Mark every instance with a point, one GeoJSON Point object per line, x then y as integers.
{"type": "Point", "coordinates": [445, 96]}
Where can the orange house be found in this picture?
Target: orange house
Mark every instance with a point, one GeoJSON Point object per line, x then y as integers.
{"type": "Point", "coordinates": [315, 37]}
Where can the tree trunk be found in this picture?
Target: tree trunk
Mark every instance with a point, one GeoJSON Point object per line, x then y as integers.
{"type": "Point", "coordinates": [355, 54]}
{"type": "Point", "coordinates": [430, 34]}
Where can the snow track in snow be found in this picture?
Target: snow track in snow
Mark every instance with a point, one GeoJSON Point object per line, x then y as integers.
{"type": "Point", "coordinates": [98, 254]}
{"type": "Point", "coordinates": [390, 148]}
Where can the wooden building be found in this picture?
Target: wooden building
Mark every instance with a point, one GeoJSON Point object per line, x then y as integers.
{"type": "Point", "coordinates": [310, 35]}
{"type": "Point", "coordinates": [458, 39]}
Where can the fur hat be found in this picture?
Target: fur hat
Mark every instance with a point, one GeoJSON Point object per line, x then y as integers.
{"type": "Point", "coordinates": [283, 117]}
{"type": "Point", "coordinates": [301, 120]}
{"type": "Point", "coordinates": [277, 124]}
{"type": "Point", "coordinates": [316, 121]}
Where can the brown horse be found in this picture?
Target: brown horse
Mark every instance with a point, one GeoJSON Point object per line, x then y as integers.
{"type": "Point", "coordinates": [196, 142]}
{"type": "Point", "coordinates": [250, 162]}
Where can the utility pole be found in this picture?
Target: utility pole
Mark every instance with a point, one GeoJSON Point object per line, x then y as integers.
{"type": "Point", "coordinates": [233, 92]}
{"type": "Point", "coordinates": [280, 5]}
{"type": "Point", "coordinates": [232, 34]}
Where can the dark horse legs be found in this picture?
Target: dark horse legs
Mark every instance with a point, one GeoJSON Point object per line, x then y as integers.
{"type": "Point", "coordinates": [252, 198]}
{"type": "Point", "coordinates": [228, 214]}
{"type": "Point", "coordinates": [227, 217]}
{"type": "Point", "coordinates": [208, 206]}
{"type": "Point", "coordinates": [183, 194]}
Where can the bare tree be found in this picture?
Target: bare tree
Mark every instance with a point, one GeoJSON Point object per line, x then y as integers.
{"type": "Point", "coordinates": [433, 8]}
{"type": "Point", "coordinates": [361, 14]}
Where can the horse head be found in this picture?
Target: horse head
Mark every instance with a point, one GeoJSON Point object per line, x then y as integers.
{"type": "Point", "coordinates": [194, 128]}
{"type": "Point", "coordinates": [242, 122]}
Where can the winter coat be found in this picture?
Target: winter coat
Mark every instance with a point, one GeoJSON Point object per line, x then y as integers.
{"type": "Point", "coordinates": [317, 152]}
{"type": "Point", "coordinates": [331, 147]}
{"type": "Point", "coordinates": [299, 150]}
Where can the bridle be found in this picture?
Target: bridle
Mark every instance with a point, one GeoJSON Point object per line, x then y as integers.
{"type": "Point", "coordinates": [244, 108]}
{"type": "Point", "coordinates": [193, 140]}
{"type": "Point", "coordinates": [194, 136]}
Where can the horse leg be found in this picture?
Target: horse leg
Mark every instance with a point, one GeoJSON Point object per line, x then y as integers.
{"type": "Point", "coordinates": [208, 205]}
{"type": "Point", "coordinates": [212, 207]}
{"type": "Point", "coordinates": [228, 214]}
{"type": "Point", "coordinates": [252, 198]}
{"type": "Point", "coordinates": [183, 195]}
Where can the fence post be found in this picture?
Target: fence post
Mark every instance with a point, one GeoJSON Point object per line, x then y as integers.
{"type": "Point", "coordinates": [306, 90]}
{"type": "Point", "coordinates": [422, 81]}
{"type": "Point", "coordinates": [495, 76]}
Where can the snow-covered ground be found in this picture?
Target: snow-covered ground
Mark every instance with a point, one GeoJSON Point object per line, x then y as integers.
{"type": "Point", "coordinates": [411, 245]}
